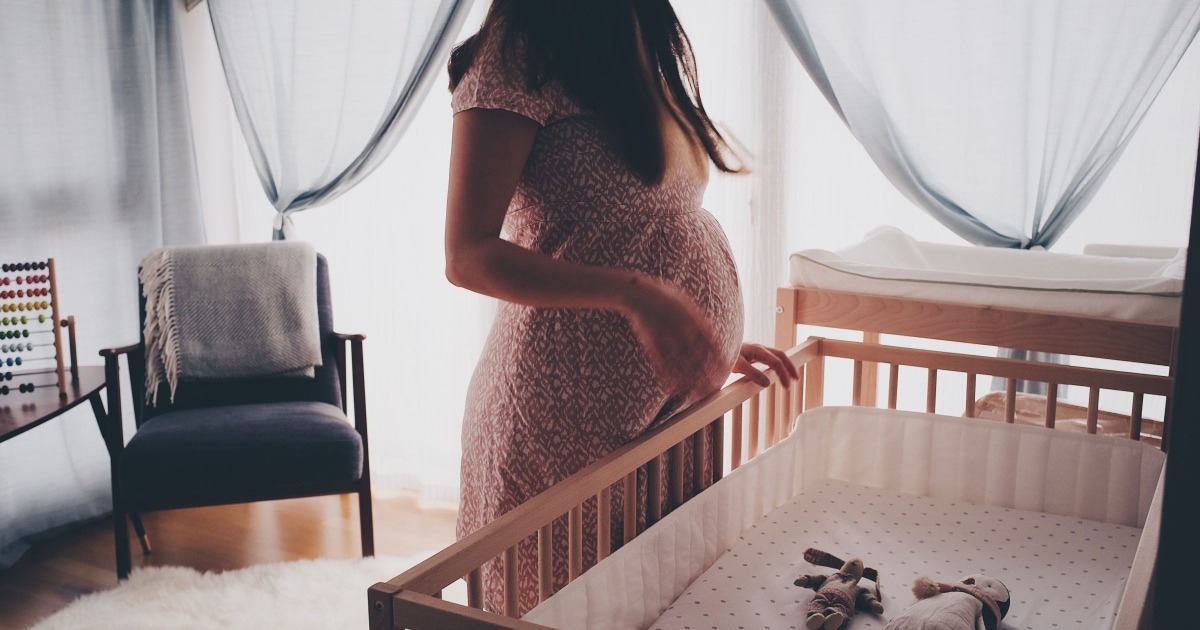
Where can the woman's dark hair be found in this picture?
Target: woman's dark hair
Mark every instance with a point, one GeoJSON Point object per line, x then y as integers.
{"type": "Point", "coordinates": [591, 48]}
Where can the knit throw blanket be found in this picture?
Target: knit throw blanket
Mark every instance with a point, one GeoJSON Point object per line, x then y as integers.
{"type": "Point", "coordinates": [229, 311]}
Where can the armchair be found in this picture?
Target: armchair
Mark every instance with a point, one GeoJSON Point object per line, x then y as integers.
{"type": "Point", "coordinates": [244, 440]}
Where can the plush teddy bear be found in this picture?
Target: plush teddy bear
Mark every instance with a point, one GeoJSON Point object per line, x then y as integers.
{"type": "Point", "coordinates": [838, 595]}
{"type": "Point", "coordinates": [978, 602]}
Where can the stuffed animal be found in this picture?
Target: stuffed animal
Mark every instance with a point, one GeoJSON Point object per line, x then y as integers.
{"type": "Point", "coordinates": [978, 602]}
{"type": "Point", "coordinates": [838, 595]}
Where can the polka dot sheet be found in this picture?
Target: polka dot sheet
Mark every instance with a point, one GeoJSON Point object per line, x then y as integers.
{"type": "Point", "coordinates": [1062, 572]}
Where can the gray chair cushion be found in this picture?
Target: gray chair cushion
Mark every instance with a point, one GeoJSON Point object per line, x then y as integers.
{"type": "Point", "coordinates": [244, 451]}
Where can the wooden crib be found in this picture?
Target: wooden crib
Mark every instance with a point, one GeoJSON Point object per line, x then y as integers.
{"type": "Point", "coordinates": [743, 419]}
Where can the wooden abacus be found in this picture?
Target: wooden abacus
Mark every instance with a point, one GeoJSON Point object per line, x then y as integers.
{"type": "Point", "coordinates": [27, 291]}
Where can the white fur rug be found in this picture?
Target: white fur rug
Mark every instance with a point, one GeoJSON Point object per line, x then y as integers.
{"type": "Point", "coordinates": [316, 594]}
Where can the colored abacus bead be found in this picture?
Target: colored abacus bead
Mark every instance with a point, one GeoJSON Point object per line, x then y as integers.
{"type": "Point", "coordinates": [18, 359]}
{"type": "Point", "coordinates": [4, 390]}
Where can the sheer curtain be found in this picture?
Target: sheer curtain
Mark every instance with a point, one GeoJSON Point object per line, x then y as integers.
{"type": "Point", "coordinates": [1001, 119]}
{"type": "Point", "coordinates": [96, 169]}
{"type": "Point", "coordinates": [811, 185]}
{"type": "Point", "coordinates": [324, 90]}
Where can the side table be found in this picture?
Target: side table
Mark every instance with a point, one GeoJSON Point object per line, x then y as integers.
{"type": "Point", "coordinates": [21, 412]}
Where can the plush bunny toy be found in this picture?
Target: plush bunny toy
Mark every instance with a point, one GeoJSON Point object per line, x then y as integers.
{"type": "Point", "coordinates": [978, 602]}
{"type": "Point", "coordinates": [838, 595]}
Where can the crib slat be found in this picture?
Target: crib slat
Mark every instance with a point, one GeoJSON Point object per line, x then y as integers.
{"type": "Point", "coordinates": [575, 543]}
{"type": "Point", "coordinates": [475, 589]}
{"type": "Point", "coordinates": [753, 428]}
{"type": "Point", "coordinates": [675, 477]}
{"type": "Point", "coordinates": [698, 441]}
{"type": "Point", "coordinates": [931, 392]}
{"type": "Point", "coordinates": [654, 491]}
{"type": "Point", "coordinates": [893, 384]}
{"type": "Point", "coordinates": [785, 412]}
{"type": "Point", "coordinates": [856, 398]}
{"type": "Point", "coordinates": [814, 389]}
{"type": "Point", "coordinates": [735, 441]}
{"type": "Point", "coordinates": [771, 420]}
{"type": "Point", "coordinates": [970, 402]}
{"type": "Point", "coordinates": [1051, 404]}
{"type": "Point", "coordinates": [545, 542]}
{"type": "Point", "coordinates": [1010, 401]}
{"type": "Point", "coordinates": [1093, 410]}
{"type": "Point", "coordinates": [510, 582]}
{"type": "Point", "coordinates": [797, 398]}
{"type": "Point", "coordinates": [1135, 417]}
{"type": "Point", "coordinates": [604, 524]}
{"type": "Point", "coordinates": [629, 504]}
{"type": "Point", "coordinates": [870, 382]}
{"type": "Point", "coordinates": [718, 449]}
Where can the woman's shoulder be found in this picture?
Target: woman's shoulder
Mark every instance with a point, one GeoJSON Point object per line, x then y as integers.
{"type": "Point", "coordinates": [498, 79]}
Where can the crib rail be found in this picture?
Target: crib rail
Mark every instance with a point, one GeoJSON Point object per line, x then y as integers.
{"type": "Point", "coordinates": [412, 599]}
{"type": "Point", "coordinates": [749, 417]}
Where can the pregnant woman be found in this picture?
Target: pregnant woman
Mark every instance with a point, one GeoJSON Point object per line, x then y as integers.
{"type": "Point", "coordinates": [581, 151]}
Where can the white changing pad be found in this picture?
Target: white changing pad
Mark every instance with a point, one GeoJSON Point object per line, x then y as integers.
{"type": "Point", "coordinates": [1062, 572]}
{"type": "Point", "coordinates": [890, 263]}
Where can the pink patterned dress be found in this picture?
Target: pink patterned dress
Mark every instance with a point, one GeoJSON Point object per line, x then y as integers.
{"type": "Point", "coordinates": [556, 389]}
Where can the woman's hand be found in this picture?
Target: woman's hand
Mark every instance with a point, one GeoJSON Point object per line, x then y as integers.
{"type": "Point", "coordinates": [677, 336]}
{"type": "Point", "coordinates": [773, 358]}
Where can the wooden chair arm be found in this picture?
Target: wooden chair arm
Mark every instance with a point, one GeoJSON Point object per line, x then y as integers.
{"type": "Point", "coordinates": [118, 351]}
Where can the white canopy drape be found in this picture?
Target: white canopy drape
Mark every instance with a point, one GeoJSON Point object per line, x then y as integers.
{"type": "Point", "coordinates": [1001, 119]}
{"type": "Point", "coordinates": [324, 90]}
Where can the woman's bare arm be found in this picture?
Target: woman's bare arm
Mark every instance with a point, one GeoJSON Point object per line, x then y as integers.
{"type": "Point", "coordinates": [488, 152]}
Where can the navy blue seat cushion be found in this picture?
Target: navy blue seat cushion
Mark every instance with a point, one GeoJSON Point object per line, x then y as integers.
{"type": "Point", "coordinates": [251, 451]}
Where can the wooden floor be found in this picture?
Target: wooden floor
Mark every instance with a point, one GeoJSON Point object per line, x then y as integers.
{"type": "Point", "coordinates": [82, 561]}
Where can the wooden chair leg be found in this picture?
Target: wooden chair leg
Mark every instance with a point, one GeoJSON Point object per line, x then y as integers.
{"type": "Point", "coordinates": [366, 520]}
{"type": "Point", "coordinates": [121, 535]}
{"type": "Point", "coordinates": [140, 530]}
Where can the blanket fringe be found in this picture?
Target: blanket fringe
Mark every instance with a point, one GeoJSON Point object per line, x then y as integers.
{"type": "Point", "coordinates": [160, 330]}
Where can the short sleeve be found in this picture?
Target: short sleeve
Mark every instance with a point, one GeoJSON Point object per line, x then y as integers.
{"type": "Point", "coordinates": [497, 81]}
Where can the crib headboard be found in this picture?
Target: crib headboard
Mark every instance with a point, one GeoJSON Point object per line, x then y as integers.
{"type": "Point", "coordinates": [1038, 331]}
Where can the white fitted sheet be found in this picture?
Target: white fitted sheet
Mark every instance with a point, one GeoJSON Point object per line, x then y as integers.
{"type": "Point", "coordinates": [961, 460]}
{"type": "Point", "coordinates": [890, 263]}
{"type": "Point", "coordinates": [1062, 572]}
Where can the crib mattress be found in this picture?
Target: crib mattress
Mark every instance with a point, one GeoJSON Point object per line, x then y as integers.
{"type": "Point", "coordinates": [890, 263]}
{"type": "Point", "coordinates": [1062, 572]}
